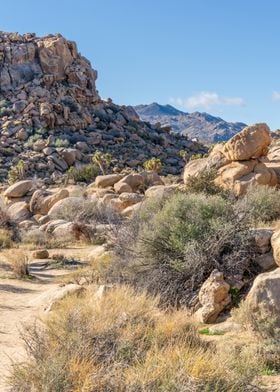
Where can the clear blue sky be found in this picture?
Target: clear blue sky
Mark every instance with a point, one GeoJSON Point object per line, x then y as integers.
{"type": "Point", "coordinates": [220, 56]}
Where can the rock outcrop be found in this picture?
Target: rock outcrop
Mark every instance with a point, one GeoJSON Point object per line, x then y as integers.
{"type": "Point", "coordinates": [264, 296]}
{"type": "Point", "coordinates": [213, 297]}
{"type": "Point", "coordinates": [239, 163]}
{"type": "Point", "coordinates": [52, 117]}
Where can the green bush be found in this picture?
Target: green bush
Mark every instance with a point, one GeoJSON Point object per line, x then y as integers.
{"type": "Point", "coordinates": [32, 139]}
{"type": "Point", "coordinates": [171, 246]}
{"type": "Point", "coordinates": [205, 182]}
{"type": "Point", "coordinates": [153, 164]}
{"type": "Point", "coordinates": [61, 143]}
{"type": "Point", "coordinates": [17, 172]}
{"type": "Point", "coordinates": [85, 174]}
{"type": "Point", "coordinates": [260, 204]}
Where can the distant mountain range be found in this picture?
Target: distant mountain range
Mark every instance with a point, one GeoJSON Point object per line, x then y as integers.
{"type": "Point", "coordinates": [203, 126]}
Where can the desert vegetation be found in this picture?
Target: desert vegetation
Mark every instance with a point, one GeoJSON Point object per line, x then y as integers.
{"type": "Point", "coordinates": [97, 346]}
{"type": "Point", "coordinates": [147, 276]}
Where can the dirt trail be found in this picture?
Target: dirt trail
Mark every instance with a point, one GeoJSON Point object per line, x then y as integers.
{"type": "Point", "coordinates": [19, 304]}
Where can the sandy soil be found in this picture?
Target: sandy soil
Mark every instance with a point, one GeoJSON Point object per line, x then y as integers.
{"type": "Point", "coordinates": [19, 305]}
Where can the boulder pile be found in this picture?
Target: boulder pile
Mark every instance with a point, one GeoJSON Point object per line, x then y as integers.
{"type": "Point", "coordinates": [52, 117]}
{"type": "Point", "coordinates": [32, 206]}
{"type": "Point", "coordinates": [240, 162]}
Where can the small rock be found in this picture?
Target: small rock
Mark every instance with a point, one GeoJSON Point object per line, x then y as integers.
{"type": "Point", "coordinates": [40, 254]}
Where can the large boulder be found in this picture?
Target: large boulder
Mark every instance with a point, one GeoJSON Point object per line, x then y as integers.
{"type": "Point", "coordinates": [69, 203]}
{"type": "Point", "coordinates": [215, 160]}
{"type": "Point", "coordinates": [194, 168]}
{"type": "Point", "coordinates": [134, 181]}
{"type": "Point", "coordinates": [42, 201]}
{"type": "Point", "coordinates": [65, 232]}
{"type": "Point", "coordinates": [107, 180]}
{"type": "Point", "coordinates": [19, 211]}
{"type": "Point", "coordinates": [264, 296]}
{"type": "Point", "coordinates": [213, 297]}
{"type": "Point", "coordinates": [275, 243]}
{"type": "Point", "coordinates": [126, 200]}
{"type": "Point", "coordinates": [160, 191]}
{"type": "Point", "coordinates": [252, 142]}
{"type": "Point", "coordinates": [19, 189]}
{"type": "Point", "coordinates": [240, 175]}
{"type": "Point", "coordinates": [151, 178]}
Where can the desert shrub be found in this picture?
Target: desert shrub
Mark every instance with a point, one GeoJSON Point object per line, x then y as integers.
{"type": "Point", "coordinates": [18, 260]}
{"type": "Point", "coordinates": [153, 164]}
{"type": "Point", "coordinates": [205, 182]}
{"type": "Point", "coordinates": [5, 111]}
{"type": "Point", "coordinates": [171, 246]}
{"type": "Point", "coordinates": [266, 328]}
{"type": "Point", "coordinates": [4, 103]}
{"type": "Point", "coordinates": [260, 204]}
{"type": "Point", "coordinates": [17, 172]}
{"type": "Point", "coordinates": [196, 156]}
{"type": "Point", "coordinates": [34, 237]}
{"type": "Point", "coordinates": [103, 160]}
{"type": "Point", "coordinates": [61, 143]}
{"type": "Point", "coordinates": [123, 342]}
{"type": "Point", "coordinates": [89, 211]}
{"type": "Point", "coordinates": [32, 139]}
{"type": "Point", "coordinates": [85, 174]}
{"type": "Point", "coordinates": [5, 239]}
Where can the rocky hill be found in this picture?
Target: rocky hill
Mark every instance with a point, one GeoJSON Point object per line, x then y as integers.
{"type": "Point", "coordinates": [201, 126]}
{"type": "Point", "coordinates": [52, 117]}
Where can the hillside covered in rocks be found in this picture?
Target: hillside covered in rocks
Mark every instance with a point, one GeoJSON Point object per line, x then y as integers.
{"type": "Point", "coordinates": [52, 117]}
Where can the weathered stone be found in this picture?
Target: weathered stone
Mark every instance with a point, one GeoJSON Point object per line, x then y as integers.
{"type": "Point", "coordinates": [252, 142]}
{"type": "Point", "coordinates": [19, 189]}
{"type": "Point", "coordinates": [107, 180]}
{"type": "Point", "coordinates": [262, 237]}
{"type": "Point", "coordinates": [275, 243]}
{"type": "Point", "coordinates": [160, 191]}
{"type": "Point", "coordinates": [121, 187]}
{"type": "Point", "coordinates": [40, 254]}
{"type": "Point", "coordinates": [264, 296]}
{"type": "Point", "coordinates": [19, 211]}
{"type": "Point", "coordinates": [240, 175]}
{"type": "Point", "coordinates": [42, 201]}
{"type": "Point", "coordinates": [266, 261]}
{"type": "Point", "coordinates": [213, 297]}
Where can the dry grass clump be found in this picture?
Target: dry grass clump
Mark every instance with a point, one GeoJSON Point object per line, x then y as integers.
{"type": "Point", "coordinates": [95, 271]}
{"type": "Point", "coordinates": [123, 342]}
{"type": "Point", "coordinates": [35, 237]}
{"type": "Point", "coordinates": [265, 326]}
{"type": "Point", "coordinates": [18, 260]}
{"type": "Point", "coordinates": [5, 239]}
{"type": "Point", "coordinates": [89, 211]}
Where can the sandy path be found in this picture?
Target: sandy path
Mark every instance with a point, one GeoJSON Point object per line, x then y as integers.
{"type": "Point", "coordinates": [19, 304]}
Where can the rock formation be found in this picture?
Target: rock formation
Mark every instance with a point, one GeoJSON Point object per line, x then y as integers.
{"type": "Point", "coordinates": [51, 116]}
{"type": "Point", "coordinates": [240, 162]}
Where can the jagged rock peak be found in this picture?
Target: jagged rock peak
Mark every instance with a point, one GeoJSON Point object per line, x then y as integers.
{"type": "Point", "coordinates": [44, 61]}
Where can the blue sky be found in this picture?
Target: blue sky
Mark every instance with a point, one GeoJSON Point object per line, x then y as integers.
{"type": "Point", "coordinates": [220, 56]}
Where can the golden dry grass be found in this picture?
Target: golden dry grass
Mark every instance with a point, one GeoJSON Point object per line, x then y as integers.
{"type": "Point", "coordinates": [124, 342]}
{"type": "Point", "coordinates": [18, 260]}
